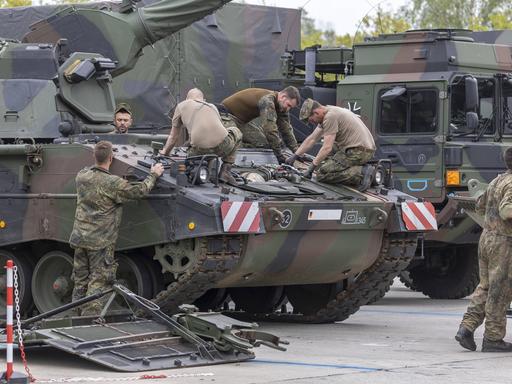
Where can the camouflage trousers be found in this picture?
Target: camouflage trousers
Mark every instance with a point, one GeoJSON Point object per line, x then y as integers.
{"type": "Point", "coordinates": [93, 271]}
{"type": "Point", "coordinates": [253, 135]}
{"type": "Point", "coordinates": [492, 296]}
{"type": "Point", "coordinates": [344, 167]}
{"type": "Point", "coordinates": [225, 150]}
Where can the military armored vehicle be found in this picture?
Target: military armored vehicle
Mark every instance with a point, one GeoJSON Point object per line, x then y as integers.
{"type": "Point", "coordinates": [438, 103]}
{"type": "Point", "coordinates": [271, 237]}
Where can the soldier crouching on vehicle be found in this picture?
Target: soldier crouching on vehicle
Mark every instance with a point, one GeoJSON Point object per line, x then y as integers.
{"type": "Point", "coordinates": [347, 146]}
{"type": "Point", "coordinates": [100, 196]}
{"type": "Point", "coordinates": [493, 294]}
{"type": "Point", "coordinates": [207, 132]}
{"type": "Point", "coordinates": [262, 116]}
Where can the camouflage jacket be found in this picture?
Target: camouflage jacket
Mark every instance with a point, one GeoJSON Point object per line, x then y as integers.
{"type": "Point", "coordinates": [496, 205]}
{"type": "Point", "coordinates": [276, 124]}
{"type": "Point", "coordinates": [99, 210]}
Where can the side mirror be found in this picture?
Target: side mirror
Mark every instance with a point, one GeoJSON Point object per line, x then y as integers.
{"type": "Point", "coordinates": [471, 93]}
{"type": "Point", "coordinates": [393, 93]}
{"type": "Point", "coordinates": [471, 121]}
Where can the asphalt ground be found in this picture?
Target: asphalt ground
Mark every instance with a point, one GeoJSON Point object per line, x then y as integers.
{"type": "Point", "coordinates": [404, 338]}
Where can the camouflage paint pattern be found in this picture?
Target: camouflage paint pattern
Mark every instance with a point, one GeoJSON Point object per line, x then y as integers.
{"type": "Point", "coordinates": [219, 54]}
{"type": "Point", "coordinates": [279, 254]}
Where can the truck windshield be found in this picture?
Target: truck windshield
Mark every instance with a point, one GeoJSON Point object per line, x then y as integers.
{"type": "Point", "coordinates": [411, 112]}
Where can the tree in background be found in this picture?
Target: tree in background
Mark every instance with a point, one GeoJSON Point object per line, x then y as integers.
{"type": "Point", "coordinates": [478, 15]}
{"type": "Point", "coordinates": [14, 3]}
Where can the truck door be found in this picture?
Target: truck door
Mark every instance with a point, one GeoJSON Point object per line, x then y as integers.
{"type": "Point", "coordinates": [408, 130]}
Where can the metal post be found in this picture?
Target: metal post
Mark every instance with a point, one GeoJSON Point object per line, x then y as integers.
{"type": "Point", "coordinates": [8, 328]}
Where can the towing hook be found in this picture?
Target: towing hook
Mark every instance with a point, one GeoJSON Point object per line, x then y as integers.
{"type": "Point", "coordinates": [277, 215]}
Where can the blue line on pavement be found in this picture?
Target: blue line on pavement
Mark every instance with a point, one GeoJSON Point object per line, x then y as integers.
{"type": "Point", "coordinates": [338, 366]}
{"type": "Point", "coordinates": [422, 313]}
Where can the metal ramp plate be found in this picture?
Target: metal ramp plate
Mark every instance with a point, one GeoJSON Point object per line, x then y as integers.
{"type": "Point", "coordinates": [133, 346]}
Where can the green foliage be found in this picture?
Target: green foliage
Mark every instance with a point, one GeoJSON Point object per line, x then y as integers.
{"type": "Point", "coordinates": [478, 15]}
{"type": "Point", "coordinates": [14, 3]}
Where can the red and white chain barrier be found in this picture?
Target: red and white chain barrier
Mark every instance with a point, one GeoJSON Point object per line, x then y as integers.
{"type": "Point", "coordinates": [8, 329]}
{"type": "Point", "coordinates": [13, 302]}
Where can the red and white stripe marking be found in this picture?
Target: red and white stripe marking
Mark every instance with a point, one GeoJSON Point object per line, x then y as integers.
{"type": "Point", "coordinates": [10, 339]}
{"type": "Point", "coordinates": [419, 216]}
{"type": "Point", "coordinates": [240, 216]}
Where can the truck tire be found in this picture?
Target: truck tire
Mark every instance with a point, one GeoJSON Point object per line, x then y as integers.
{"type": "Point", "coordinates": [456, 278]}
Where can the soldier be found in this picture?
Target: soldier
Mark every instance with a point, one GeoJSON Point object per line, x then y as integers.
{"type": "Point", "coordinates": [100, 196]}
{"type": "Point", "coordinates": [206, 130]}
{"type": "Point", "coordinates": [493, 294]}
{"type": "Point", "coordinates": [122, 118]}
{"type": "Point", "coordinates": [274, 121]}
{"type": "Point", "coordinates": [347, 145]}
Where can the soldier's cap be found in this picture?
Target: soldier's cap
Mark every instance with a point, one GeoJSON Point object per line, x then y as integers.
{"type": "Point", "coordinates": [306, 110]}
{"type": "Point", "coordinates": [123, 107]}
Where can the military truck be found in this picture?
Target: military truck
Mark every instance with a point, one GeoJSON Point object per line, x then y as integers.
{"type": "Point", "coordinates": [438, 103]}
{"type": "Point", "coordinates": [272, 236]}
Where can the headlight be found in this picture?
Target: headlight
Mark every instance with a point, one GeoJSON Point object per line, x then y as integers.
{"type": "Point", "coordinates": [379, 176]}
{"type": "Point", "coordinates": [204, 175]}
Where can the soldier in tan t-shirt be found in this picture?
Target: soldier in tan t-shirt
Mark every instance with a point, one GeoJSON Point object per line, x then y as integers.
{"type": "Point", "coordinates": [347, 145]}
{"type": "Point", "coordinates": [206, 131]}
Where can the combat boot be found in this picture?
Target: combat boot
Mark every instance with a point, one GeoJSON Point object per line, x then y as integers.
{"type": "Point", "coordinates": [496, 346]}
{"type": "Point", "coordinates": [225, 174]}
{"type": "Point", "coordinates": [466, 338]}
{"type": "Point", "coordinates": [368, 173]}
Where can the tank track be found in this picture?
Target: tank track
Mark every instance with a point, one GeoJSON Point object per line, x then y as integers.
{"type": "Point", "coordinates": [369, 286]}
{"type": "Point", "coordinates": [216, 259]}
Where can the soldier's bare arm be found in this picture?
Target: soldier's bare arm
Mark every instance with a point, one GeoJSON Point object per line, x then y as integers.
{"type": "Point", "coordinates": [309, 141]}
{"type": "Point", "coordinates": [175, 132]}
{"type": "Point", "coordinates": [325, 150]}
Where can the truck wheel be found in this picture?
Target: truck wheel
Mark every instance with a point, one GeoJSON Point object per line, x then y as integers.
{"type": "Point", "coordinates": [448, 274]}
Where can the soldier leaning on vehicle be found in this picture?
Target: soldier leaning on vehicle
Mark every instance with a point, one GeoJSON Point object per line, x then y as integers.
{"type": "Point", "coordinates": [208, 133]}
{"type": "Point", "coordinates": [271, 110]}
{"type": "Point", "coordinates": [493, 294]}
{"type": "Point", "coordinates": [347, 145]}
{"type": "Point", "coordinates": [100, 196]}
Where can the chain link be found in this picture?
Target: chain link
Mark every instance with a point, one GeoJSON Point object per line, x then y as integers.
{"type": "Point", "coordinates": [18, 326]}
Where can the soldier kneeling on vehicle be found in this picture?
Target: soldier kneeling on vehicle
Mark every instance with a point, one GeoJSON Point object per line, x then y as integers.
{"type": "Point", "coordinates": [207, 132]}
{"type": "Point", "coordinates": [347, 146]}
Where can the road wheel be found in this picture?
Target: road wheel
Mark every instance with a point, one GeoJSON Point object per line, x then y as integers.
{"type": "Point", "coordinates": [51, 281]}
{"type": "Point", "coordinates": [310, 298]}
{"type": "Point", "coordinates": [24, 271]}
{"type": "Point", "coordinates": [257, 299]}
{"type": "Point", "coordinates": [448, 273]}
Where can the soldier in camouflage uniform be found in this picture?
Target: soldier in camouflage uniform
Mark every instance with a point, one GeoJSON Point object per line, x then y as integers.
{"type": "Point", "coordinates": [208, 132]}
{"type": "Point", "coordinates": [262, 116]}
{"type": "Point", "coordinates": [347, 146]}
{"type": "Point", "coordinates": [494, 293]}
{"type": "Point", "coordinates": [100, 196]}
